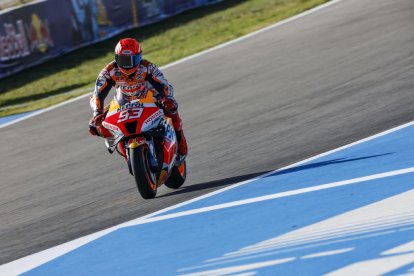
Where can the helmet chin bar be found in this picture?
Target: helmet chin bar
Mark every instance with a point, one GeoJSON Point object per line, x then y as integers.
{"type": "Point", "coordinates": [129, 71]}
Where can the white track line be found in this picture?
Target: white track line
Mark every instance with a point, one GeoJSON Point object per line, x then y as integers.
{"type": "Point", "coordinates": [275, 196]}
{"type": "Point", "coordinates": [43, 111]}
{"type": "Point", "coordinates": [29, 262]}
{"type": "Point", "coordinates": [280, 23]}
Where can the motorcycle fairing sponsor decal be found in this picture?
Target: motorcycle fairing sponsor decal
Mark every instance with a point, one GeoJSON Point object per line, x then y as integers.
{"type": "Point", "coordinates": [169, 130]}
{"type": "Point", "coordinates": [170, 145]}
{"type": "Point", "coordinates": [130, 105]}
{"type": "Point", "coordinates": [154, 118]}
{"type": "Point", "coordinates": [112, 127]}
{"type": "Point", "coordinates": [113, 108]}
{"type": "Point", "coordinates": [137, 140]}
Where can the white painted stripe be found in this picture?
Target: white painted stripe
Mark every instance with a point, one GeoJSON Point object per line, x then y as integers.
{"type": "Point", "coordinates": [368, 219]}
{"type": "Point", "coordinates": [43, 111]}
{"type": "Point", "coordinates": [240, 268]}
{"type": "Point", "coordinates": [278, 24]}
{"type": "Point", "coordinates": [378, 266]}
{"type": "Point", "coordinates": [276, 195]}
{"type": "Point", "coordinates": [32, 261]}
{"type": "Point", "coordinates": [404, 248]}
{"type": "Point", "coordinates": [396, 206]}
{"type": "Point", "coordinates": [327, 253]}
{"type": "Point", "coordinates": [339, 233]}
{"type": "Point", "coordinates": [237, 258]}
{"type": "Point", "coordinates": [245, 274]}
{"type": "Point", "coordinates": [259, 254]}
{"type": "Point", "coordinates": [132, 222]}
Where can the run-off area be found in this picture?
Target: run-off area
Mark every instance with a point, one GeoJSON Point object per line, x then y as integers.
{"type": "Point", "coordinates": [350, 211]}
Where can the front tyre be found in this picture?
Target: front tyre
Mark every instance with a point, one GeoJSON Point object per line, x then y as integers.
{"type": "Point", "coordinates": [177, 177]}
{"type": "Point", "coordinates": [144, 177]}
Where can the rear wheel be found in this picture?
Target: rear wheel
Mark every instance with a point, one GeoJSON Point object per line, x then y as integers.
{"type": "Point", "coordinates": [177, 177]}
{"type": "Point", "coordinates": [145, 179]}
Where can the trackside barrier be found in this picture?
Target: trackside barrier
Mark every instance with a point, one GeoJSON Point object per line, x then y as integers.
{"type": "Point", "coordinates": [34, 33]}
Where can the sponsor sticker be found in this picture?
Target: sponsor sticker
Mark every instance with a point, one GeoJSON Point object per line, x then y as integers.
{"type": "Point", "coordinates": [105, 74]}
{"type": "Point", "coordinates": [153, 117]}
{"type": "Point", "coordinates": [111, 127]}
{"type": "Point", "coordinates": [130, 105]}
{"type": "Point", "coordinates": [100, 81]}
{"type": "Point", "coordinates": [157, 73]}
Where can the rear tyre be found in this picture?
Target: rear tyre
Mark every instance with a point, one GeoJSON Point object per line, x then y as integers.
{"type": "Point", "coordinates": [177, 177]}
{"type": "Point", "coordinates": [145, 179]}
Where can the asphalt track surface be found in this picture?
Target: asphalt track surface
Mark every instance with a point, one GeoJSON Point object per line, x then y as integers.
{"type": "Point", "coordinates": [325, 80]}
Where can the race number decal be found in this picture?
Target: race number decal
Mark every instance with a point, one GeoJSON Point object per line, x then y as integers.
{"type": "Point", "coordinates": [129, 114]}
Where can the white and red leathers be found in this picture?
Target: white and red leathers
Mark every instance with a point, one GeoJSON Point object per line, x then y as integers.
{"type": "Point", "coordinates": [135, 86]}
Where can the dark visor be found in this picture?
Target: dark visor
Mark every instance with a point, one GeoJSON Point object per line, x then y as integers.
{"type": "Point", "coordinates": [128, 61]}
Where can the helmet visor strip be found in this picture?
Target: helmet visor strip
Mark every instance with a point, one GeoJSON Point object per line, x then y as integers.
{"type": "Point", "coordinates": [129, 61]}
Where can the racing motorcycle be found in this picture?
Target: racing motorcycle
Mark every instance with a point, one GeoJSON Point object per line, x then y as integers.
{"type": "Point", "coordinates": [145, 137]}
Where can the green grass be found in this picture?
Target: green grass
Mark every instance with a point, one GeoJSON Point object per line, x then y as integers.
{"type": "Point", "coordinates": [172, 39]}
{"type": "Point", "coordinates": [13, 3]}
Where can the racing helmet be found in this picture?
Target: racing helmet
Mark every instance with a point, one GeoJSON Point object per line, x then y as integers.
{"type": "Point", "coordinates": [128, 55]}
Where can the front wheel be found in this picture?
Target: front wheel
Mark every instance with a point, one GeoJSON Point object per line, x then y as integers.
{"type": "Point", "coordinates": [177, 177]}
{"type": "Point", "coordinates": [144, 178]}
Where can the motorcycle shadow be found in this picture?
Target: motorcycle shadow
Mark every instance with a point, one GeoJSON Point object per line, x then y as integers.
{"type": "Point", "coordinates": [212, 184]}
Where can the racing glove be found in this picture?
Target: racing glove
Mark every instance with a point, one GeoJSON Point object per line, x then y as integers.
{"type": "Point", "coordinates": [96, 123]}
{"type": "Point", "coordinates": [169, 104]}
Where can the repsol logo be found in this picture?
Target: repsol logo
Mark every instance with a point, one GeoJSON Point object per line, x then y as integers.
{"type": "Point", "coordinates": [130, 105]}
{"type": "Point", "coordinates": [136, 87]}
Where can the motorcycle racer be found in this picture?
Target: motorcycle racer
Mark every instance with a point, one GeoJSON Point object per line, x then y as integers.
{"type": "Point", "coordinates": [133, 77]}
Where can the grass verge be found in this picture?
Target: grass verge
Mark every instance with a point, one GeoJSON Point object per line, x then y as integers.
{"type": "Point", "coordinates": [190, 32]}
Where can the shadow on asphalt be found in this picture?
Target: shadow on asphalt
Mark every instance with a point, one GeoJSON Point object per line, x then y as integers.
{"type": "Point", "coordinates": [214, 184]}
{"type": "Point", "coordinates": [327, 163]}
{"type": "Point", "coordinates": [236, 179]}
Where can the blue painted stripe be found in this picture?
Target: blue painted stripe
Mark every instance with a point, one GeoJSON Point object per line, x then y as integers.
{"type": "Point", "coordinates": [162, 248]}
{"type": "Point", "coordinates": [185, 244]}
{"type": "Point", "coordinates": [8, 119]}
{"type": "Point", "coordinates": [387, 153]}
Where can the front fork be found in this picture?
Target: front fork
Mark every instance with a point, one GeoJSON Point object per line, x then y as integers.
{"type": "Point", "coordinates": [136, 142]}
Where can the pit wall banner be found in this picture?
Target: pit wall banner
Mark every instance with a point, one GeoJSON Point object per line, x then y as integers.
{"type": "Point", "coordinates": [42, 30]}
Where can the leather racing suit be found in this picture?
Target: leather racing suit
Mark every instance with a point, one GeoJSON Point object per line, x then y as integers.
{"type": "Point", "coordinates": [136, 86]}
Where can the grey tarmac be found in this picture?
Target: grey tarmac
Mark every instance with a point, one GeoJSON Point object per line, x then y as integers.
{"type": "Point", "coordinates": [327, 79]}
